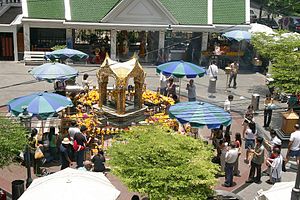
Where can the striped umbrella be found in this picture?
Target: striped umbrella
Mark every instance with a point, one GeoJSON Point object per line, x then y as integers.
{"type": "Point", "coordinates": [66, 53]}
{"type": "Point", "coordinates": [42, 104]}
{"type": "Point", "coordinates": [180, 69]}
{"type": "Point", "coordinates": [53, 71]}
{"type": "Point", "coordinates": [200, 114]}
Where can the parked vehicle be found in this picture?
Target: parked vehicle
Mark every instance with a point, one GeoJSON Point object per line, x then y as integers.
{"type": "Point", "coordinates": [290, 23]}
{"type": "Point", "coordinates": [253, 16]}
{"type": "Point", "coordinates": [270, 22]}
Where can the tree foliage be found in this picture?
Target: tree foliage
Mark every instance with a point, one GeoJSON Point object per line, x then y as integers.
{"type": "Point", "coordinates": [12, 140]}
{"type": "Point", "coordinates": [284, 54]}
{"type": "Point", "coordinates": [282, 7]}
{"type": "Point", "coordinates": [158, 162]}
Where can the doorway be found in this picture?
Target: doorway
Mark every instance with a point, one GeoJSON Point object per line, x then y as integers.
{"type": "Point", "coordinates": [6, 46]}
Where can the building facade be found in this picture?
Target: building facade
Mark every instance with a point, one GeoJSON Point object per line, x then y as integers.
{"type": "Point", "coordinates": [122, 27]}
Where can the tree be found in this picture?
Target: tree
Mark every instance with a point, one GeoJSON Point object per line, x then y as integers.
{"type": "Point", "coordinates": [284, 54]}
{"type": "Point", "coordinates": [158, 162]}
{"type": "Point", "coordinates": [280, 7]}
{"type": "Point", "coordinates": [12, 140]}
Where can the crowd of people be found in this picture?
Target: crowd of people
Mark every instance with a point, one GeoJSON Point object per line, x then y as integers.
{"type": "Point", "coordinates": [73, 147]}
{"type": "Point", "coordinates": [258, 150]}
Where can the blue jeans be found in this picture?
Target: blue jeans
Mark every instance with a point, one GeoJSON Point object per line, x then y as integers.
{"type": "Point", "coordinates": [229, 174]}
{"type": "Point", "coordinates": [79, 158]}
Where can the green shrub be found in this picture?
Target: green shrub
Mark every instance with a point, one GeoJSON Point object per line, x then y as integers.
{"type": "Point", "coordinates": [162, 164]}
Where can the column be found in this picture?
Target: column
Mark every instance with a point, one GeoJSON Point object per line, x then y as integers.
{"type": "Point", "coordinates": [26, 30]}
{"type": "Point", "coordinates": [204, 41]}
{"type": "Point", "coordinates": [210, 12]}
{"type": "Point", "coordinates": [100, 103]}
{"type": "Point", "coordinates": [104, 93]}
{"type": "Point", "coordinates": [113, 44]}
{"type": "Point", "coordinates": [69, 38]}
{"type": "Point", "coordinates": [161, 41]}
{"type": "Point", "coordinates": [247, 12]}
{"type": "Point", "coordinates": [15, 36]}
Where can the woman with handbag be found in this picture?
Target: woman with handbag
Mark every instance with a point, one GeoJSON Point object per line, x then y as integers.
{"type": "Point", "coordinates": [36, 152]}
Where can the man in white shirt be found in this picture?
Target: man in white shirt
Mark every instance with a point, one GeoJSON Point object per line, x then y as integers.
{"type": "Point", "coordinates": [274, 141]}
{"type": "Point", "coordinates": [230, 158]}
{"type": "Point", "coordinates": [213, 70]}
{"type": "Point", "coordinates": [227, 105]}
{"type": "Point", "coordinates": [163, 84]}
{"type": "Point", "coordinates": [73, 129]}
{"type": "Point", "coordinates": [276, 166]}
{"type": "Point", "coordinates": [294, 145]}
{"type": "Point", "coordinates": [191, 88]}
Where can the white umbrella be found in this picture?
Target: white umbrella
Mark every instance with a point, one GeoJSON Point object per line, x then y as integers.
{"type": "Point", "coordinates": [71, 184]}
{"type": "Point", "coordinates": [260, 28]}
{"type": "Point", "coordinates": [280, 191]}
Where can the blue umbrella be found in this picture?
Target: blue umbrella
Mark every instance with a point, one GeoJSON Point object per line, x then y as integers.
{"type": "Point", "coordinates": [238, 35]}
{"type": "Point", "coordinates": [42, 104]}
{"type": "Point", "coordinates": [200, 114]}
{"type": "Point", "coordinates": [66, 53]}
{"type": "Point", "coordinates": [180, 69]}
{"type": "Point", "coordinates": [53, 71]}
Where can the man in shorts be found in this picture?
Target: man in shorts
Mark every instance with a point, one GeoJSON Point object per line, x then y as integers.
{"type": "Point", "coordinates": [294, 145]}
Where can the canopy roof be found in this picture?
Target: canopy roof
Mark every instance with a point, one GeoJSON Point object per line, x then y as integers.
{"type": "Point", "coordinates": [121, 70]}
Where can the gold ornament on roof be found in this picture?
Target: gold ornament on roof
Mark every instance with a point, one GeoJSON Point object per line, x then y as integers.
{"type": "Point", "coordinates": [121, 72]}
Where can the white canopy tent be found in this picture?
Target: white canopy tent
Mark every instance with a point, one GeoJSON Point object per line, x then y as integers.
{"type": "Point", "coordinates": [71, 184]}
{"type": "Point", "coordinates": [280, 191]}
{"type": "Point", "coordinates": [260, 28]}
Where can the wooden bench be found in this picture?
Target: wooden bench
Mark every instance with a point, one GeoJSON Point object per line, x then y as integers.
{"type": "Point", "coordinates": [34, 57]}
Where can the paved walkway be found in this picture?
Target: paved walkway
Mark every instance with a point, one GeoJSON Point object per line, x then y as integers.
{"type": "Point", "coordinates": [15, 81]}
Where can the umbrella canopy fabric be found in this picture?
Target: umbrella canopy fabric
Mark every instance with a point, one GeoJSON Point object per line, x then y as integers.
{"type": "Point", "coordinates": [180, 69]}
{"type": "Point", "coordinates": [42, 104]}
{"type": "Point", "coordinates": [71, 184]}
{"type": "Point", "coordinates": [66, 53]}
{"type": "Point", "coordinates": [260, 28]}
{"type": "Point", "coordinates": [280, 191]}
{"type": "Point", "coordinates": [53, 71]}
{"type": "Point", "coordinates": [238, 35]}
{"type": "Point", "coordinates": [200, 114]}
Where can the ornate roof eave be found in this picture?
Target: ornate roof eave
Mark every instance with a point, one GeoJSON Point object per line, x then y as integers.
{"type": "Point", "coordinates": [117, 26]}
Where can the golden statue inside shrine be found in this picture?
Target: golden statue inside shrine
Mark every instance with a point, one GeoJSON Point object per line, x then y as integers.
{"type": "Point", "coordinates": [121, 73]}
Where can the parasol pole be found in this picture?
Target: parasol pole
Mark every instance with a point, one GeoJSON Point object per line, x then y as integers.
{"type": "Point", "coordinates": [239, 52]}
{"type": "Point", "coordinates": [102, 140]}
{"type": "Point", "coordinates": [42, 126]}
{"type": "Point", "coordinates": [179, 89]}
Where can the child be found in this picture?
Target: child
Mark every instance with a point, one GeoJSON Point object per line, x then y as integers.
{"type": "Point", "coordinates": [276, 166]}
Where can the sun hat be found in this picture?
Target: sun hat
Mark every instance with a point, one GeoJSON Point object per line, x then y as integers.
{"type": "Point", "coordinates": [66, 141]}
